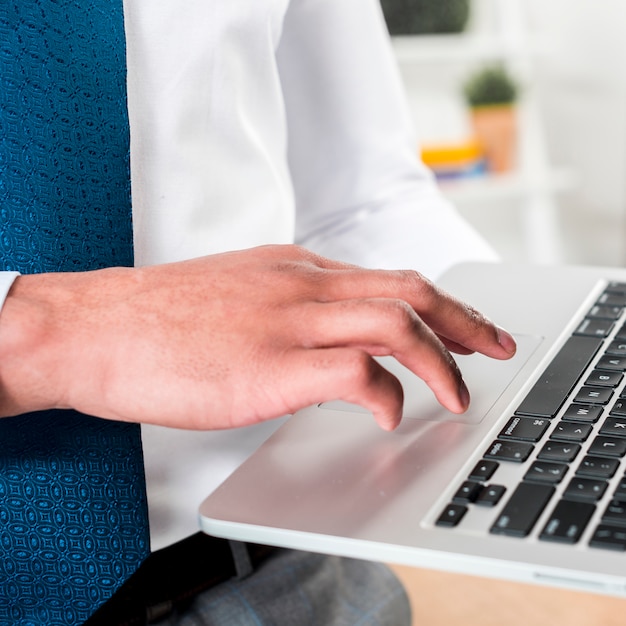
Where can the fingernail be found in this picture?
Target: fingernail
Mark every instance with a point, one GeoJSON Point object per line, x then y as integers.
{"type": "Point", "coordinates": [506, 340]}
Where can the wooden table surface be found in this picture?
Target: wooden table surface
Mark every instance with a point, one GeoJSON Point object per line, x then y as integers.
{"type": "Point", "coordinates": [442, 599]}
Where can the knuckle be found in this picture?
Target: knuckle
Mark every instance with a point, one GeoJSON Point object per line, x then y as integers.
{"type": "Point", "coordinates": [425, 289]}
{"type": "Point", "coordinates": [359, 368]}
{"type": "Point", "coordinates": [302, 269]}
{"type": "Point", "coordinates": [306, 257]}
{"type": "Point", "coordinates": [401, 316]}
{"type": "Point", "coordinates": [302, 253]}
{"type": "Point", "coordinates": [417, 279]}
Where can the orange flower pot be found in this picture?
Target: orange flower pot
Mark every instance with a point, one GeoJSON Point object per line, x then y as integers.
{"type": "Point", "coordinates": [495, 128]}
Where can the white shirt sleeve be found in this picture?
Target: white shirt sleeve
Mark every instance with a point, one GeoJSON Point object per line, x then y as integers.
{"type": "Point", "coordinates": [6, 282]}
{"type": "Point", "coordinates": [213, 117]}
{"type": "Point", "coordinates": [362, 195]}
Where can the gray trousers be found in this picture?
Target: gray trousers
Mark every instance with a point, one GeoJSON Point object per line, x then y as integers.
{"type": "Point", "coordinates": [294, 588]}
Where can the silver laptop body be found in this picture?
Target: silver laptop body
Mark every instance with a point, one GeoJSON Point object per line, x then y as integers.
{"type": "Point", "coordinates": [330, 480]}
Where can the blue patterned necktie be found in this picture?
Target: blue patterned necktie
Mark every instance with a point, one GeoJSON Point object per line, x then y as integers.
{"type": "Point", "coordinates": [73, 514]}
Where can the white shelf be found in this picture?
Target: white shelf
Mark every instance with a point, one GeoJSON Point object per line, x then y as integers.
{"type": "Point", "coordinates": [502, 37]}
{"type": "Point", "coordinates": [461, 48]}
{"type": "Point", "coordinates": [509, 186]}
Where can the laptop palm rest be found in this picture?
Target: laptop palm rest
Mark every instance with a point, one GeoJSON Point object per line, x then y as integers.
{"type": "Point", "coordinates": [487, 379]}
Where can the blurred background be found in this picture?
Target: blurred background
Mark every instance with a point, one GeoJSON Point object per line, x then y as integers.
{"type": "Point", "coordinates": [520, 107]}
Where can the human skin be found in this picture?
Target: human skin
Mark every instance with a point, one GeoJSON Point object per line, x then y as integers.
{"type": "Point", "coordinates": [233, 339]}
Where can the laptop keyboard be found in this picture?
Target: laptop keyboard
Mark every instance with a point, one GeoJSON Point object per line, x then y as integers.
{"type": "Point", "coordinates": [569, 437]}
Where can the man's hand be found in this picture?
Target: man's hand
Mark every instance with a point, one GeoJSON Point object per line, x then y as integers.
{"type": "Point", "coordinates": [232, 339]}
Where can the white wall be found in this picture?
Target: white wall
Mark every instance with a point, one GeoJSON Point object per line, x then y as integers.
{"type": "Point", "coordinates": [583, 86]}
{"type": "Point", "coordinates": [579, 79]}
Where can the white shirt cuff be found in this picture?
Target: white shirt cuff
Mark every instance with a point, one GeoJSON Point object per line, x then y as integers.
{"type": "Point", "coordinates": [6, 281]}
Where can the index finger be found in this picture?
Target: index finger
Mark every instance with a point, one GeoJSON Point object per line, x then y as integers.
{"type": "Point", "coordinates": [460, 326]}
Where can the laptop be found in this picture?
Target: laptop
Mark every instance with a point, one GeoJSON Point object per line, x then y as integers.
{"type": "Point", "coordinates": [528, 485]}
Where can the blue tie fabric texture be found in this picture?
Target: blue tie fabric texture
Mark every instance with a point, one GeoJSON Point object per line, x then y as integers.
{"type": "Point", "coordinates": [73, 511]}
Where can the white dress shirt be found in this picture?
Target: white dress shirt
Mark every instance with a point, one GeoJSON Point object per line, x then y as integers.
{"type": "Point", "coordinates": [269, 121]}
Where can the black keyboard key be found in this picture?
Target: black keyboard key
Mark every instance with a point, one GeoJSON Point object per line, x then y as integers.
{"type": "Point", "coordinates": [593, 395]}
{"type": "Point", "coordinates": [615, 514]}
{"type": "Point", "coordinates": [608, 446]}
{"type": "Point", "coordinates": [525, 428]}
{"type": "Point", "coordinates": [619, 408]}
{"type": "Point", "coordinates": [582, 413]}
{"type": "Point", "coordinates": [451, 515]}
{"type": "Point", "coordinates": [604, 378]}
{"type": "Point", "coordinates": [467, 492]}
{"type": "Point", "coordinates": [516, 451]}
{"type": "Point", "coordinates": [620, 491]}
{"type": "Point", "coordinates": [571, 431]}
{"type": "Point", "coordinates": [615, 363]}
{"type": "Point", "coordinates": [597, 467]}
{"type": "Point", "coordinates": [585, 489]}
{"type": "Point", "coordinates": [568, 521]}
{"type": "Point", "coordinates": [490, 495]}
{"type": "Point", "coordinates": [559, 378]}
{"type": "Point", "coordinates": [561, 452]}
{"type": "Point", "coordinates": [614, 427]}
{"type": "Point", "coordinates": [617, 348]}
{"type": "Point", "coordinates": [609, 538]}
{"type": "Point", "coordinates": [523, 509]}
{"type": "Point", "coordinates": [613, 297]}
{"type": "Point", "coordinates": [545, 472]}
{"type": "Point", "coordinates": [616, 287]}
{"type": "Point", "coordinates": [595, 328]}
{"type": "Point", "coordinates": [483, 470]}
{"type": "Point", "coordinates": [603, 312]}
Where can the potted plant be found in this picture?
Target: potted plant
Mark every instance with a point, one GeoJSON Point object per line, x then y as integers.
{"type": "Point", "coordinates": [491, 94]}
{"type": "Point", "coordinates": [419, 17]}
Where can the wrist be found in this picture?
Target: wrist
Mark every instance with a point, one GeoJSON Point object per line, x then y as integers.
{"type": "Point", "coordinates": [56, 334]}
{"type": "Point", "coordinates": [25, 378]}
{"type": "Point", "coordinates": [41, 342]}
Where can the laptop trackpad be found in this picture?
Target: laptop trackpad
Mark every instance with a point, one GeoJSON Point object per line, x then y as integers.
{"type": "Point", "coordinates": [486, 378]}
